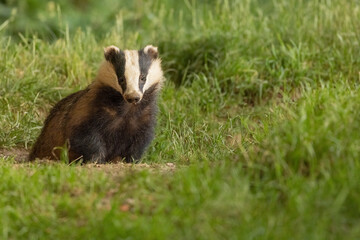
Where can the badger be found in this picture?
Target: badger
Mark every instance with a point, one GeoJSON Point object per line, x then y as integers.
{"type": "Point", "coordinates": [113, 118]}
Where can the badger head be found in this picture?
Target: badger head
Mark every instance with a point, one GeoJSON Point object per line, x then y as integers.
{"type": "Point", "coordinates": [131, 72]}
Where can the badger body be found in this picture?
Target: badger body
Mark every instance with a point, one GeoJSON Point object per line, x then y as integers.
{"type": "Point", "coordinates": [112, 118]}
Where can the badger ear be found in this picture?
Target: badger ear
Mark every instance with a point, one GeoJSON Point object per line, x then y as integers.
{"type": "Point", "coordinates": [110, 53]}
{"type": "Point", "coordinates": [151, 51]}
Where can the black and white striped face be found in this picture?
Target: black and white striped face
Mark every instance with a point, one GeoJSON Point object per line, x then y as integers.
{"type": "Point", "coordinates": [131, 72]}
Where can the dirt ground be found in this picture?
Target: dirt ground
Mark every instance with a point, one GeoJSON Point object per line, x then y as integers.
{"type": "Point", "coordinates": [20, 156]}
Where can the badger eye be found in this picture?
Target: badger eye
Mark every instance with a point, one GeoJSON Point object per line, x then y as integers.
{"type": "Point", "coordinates": [142, 78]}
{"type": "Point", "coordinates": [121, 79]}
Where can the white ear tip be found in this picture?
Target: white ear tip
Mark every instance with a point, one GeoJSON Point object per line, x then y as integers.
{"type": "Point", "coordinates": [107, 49]}
{"type": "Point", "coordinates": [151, 48]}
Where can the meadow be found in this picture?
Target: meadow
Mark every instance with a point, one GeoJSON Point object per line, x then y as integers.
{"type": "Point", "coordinates": [258, 133]}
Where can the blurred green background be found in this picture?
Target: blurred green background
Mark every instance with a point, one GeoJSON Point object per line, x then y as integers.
{"type": "Point", "coordinates": [49, 19]}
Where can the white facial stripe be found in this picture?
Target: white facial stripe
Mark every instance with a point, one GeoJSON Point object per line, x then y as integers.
{"type": "Point", "coordinates": [132, 71]}
{"type": "Point", "coordinates": [155, 75]}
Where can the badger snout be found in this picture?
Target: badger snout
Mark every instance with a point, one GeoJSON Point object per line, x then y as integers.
{"type": "Point", "coordinates": [133, 97]}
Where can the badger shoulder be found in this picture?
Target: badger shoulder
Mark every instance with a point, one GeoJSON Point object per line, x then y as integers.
{"type": "Point", "coordinates": [53, 132]}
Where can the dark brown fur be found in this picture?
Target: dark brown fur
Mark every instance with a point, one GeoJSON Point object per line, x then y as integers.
{"type": "Point", "coordinates": [99, 126]}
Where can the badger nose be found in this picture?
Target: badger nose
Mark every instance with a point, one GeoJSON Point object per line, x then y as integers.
{"type": "Point", "coordinates": [132, 98]}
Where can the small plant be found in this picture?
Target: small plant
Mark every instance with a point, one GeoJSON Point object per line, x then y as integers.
{"type": "Point", "coordinates": [64, 152]}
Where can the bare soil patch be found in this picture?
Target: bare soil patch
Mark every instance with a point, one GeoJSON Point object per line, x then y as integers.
{"type": "Point", "coordinates": [20, 156]}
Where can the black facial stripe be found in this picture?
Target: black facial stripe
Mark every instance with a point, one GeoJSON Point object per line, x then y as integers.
{"type": "Point", "coordinates": [120, 71]}
{"type": "Point", "coordinates": [144, 62]}
{"type": "Point", "coordinates": [117, 59]}
{"type": "Point", "coordinates": [141, 85]}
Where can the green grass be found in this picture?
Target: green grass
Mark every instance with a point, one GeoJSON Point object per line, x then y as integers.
{"type": "Point", "coordinates": [260, 115]}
